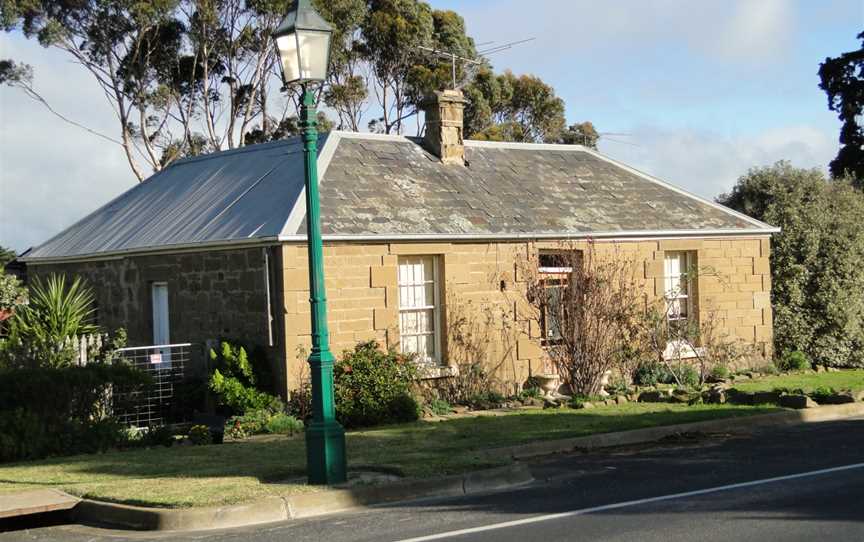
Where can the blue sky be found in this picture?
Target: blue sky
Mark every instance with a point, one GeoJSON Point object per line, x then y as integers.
{"type": "Point", "coordinates": [705, 89]}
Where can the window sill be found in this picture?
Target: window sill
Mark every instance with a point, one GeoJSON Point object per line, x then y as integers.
{"type": "Point", "coordinates": [676, 350]}
{"type": "Point", "coordinates": [431, 372]}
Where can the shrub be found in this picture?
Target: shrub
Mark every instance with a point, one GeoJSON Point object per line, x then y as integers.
{"type": "Point", "coordinates": [12, 293]}
{"type": "Point", "coordinates": [254, 422]}
{"type": "Point", "coordinates": [57, 411]}
{"type": "Point", "coordinates": [300, 403]}
{"type": "Point", "coordinates": [817, 261]}
{"type": "Point", "coordinates": [688, 376]}
{"type": "Point", "coordinates": [650, 373]}
{"type": "Point", "coordinates": [486, 400]}
{"type": "Point", "coordinates": [439, 407]}
{"type": "Point", "coordinates": [233, 381]}
{"type": "Point", "coordinates": [719, 372]}
{"type": "Point", "coordinates": [653, 373]}
{"type": "Point", "coordinates": [38, 331]}
{"type": "Point", "coordinates": [821, 393]}
{"type": "Point", "coordinates": [235, 430]}
{"type": "Point", "coordinates": [372, 386]}
{"type": "Point", "coordinates": [794, 361]}
{"type": "Point", "coordinates": [768, 369]}
{"type": "Point", "coordinates": [158, 435]}
{"type": "Point", "coordinates": [200, 435]}
{"type": "Point", "coordinates": [283, 424]}
{"type": "Point", "coordinates": [595, 318]}
{"type": "Point", "coordinates": [578, 401]}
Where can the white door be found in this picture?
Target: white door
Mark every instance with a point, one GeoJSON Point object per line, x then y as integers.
{"type": "Point", "coordinates": [161, 357]}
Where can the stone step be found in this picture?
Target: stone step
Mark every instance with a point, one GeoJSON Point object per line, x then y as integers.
{"type": "Point", "coordinates": [35, 502]}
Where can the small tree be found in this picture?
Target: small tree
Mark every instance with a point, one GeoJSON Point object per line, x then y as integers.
{"type": "Point", "coordinates": [590, 308]}
{"type": "Point", "coordinates": [39, 331]}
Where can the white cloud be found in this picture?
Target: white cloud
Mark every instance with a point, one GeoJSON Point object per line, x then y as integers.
{"type": "Point", "coordinates": [51, 173]}
{"type": "Point", "coordinates": [740, 32]}
{"type": "Point", "coordinates": [709, 163]}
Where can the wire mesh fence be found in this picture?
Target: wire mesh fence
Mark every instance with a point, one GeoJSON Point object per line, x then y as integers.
{"type": "Point", "coordinates": [166, 365]}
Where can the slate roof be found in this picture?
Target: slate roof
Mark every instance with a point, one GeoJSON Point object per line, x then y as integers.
{"type": "Point", "coordinates": [389, 187]}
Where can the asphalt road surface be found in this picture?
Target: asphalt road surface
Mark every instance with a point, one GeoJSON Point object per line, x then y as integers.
{"type": "Point", "coordinates": [801, 483]}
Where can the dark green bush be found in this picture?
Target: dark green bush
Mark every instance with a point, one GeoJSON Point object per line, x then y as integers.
{"type": "Point", "coordinates": [373, 386]}
{"type": "Point", "coordinates": [61, 411]}
{"type": "Point", "coordinates": [794, 361]}
{"type": "Point", "coordinates": [650, 373]}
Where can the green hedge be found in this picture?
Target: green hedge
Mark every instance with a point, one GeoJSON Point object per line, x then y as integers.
{"type": "Point", "coordinates": [59, 411]}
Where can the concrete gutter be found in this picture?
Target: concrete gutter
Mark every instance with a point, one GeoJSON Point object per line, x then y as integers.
{"type": "Point", "coordinates": [304, 505]}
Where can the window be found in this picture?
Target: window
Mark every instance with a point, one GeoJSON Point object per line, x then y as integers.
{"type": "Point", "coordinates": [555, 270]}
{"type": "Point", "coordinates": [161, 335]}
{"type": "Point", "coordinates": [679, 267]}
{"type": "Point", "coordinates": [419, 307]}
{"type": "Point", "coordinates": [159, 291]}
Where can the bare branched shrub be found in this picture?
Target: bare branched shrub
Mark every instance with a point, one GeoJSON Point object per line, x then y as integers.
{"type": "Point", "coordinates": [591, 308]}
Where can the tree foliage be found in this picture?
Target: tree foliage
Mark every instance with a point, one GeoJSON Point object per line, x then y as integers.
{"type": "Point", "coordinates": [185, 77]}
{"type": "Point", "coordinates": [507, 107]}
{"type": "Point", "coordinates": [842, 79]}
{"type": "Point", "coordinates": [6, 256]}
{"type": "Point", "coordinates": [582, 133]}
{"type": "Point", "coordinates": [817, 261]}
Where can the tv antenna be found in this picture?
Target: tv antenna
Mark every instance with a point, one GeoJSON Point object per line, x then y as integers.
{"type": "Point", "coordinates": [453, 58]}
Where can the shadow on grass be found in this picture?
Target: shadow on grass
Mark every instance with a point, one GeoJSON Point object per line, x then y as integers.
{"type": "Point", "coordinates": [420, 449]}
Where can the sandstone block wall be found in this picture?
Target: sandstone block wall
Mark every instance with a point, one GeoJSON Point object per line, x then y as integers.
{"type": "Point", "coordinates": [484, 315]}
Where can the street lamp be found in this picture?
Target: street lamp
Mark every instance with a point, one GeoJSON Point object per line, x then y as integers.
{"type": "Point", "coordinates": [303, 44]}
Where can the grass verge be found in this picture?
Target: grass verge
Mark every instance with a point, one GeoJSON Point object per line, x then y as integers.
{"type": "Point", "coordinates": [850, 379]}
{"type": "Point", "coordinates": [236, 472]}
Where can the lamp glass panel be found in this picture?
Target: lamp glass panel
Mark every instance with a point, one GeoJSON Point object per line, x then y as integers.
{"type": "Point", "coordinates": [289, 56]}
{"type": "Point", "coordinates": [314, 54]}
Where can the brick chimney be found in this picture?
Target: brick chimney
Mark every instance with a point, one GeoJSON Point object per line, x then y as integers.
{"type": "Point", "coordinates": [444, 126]}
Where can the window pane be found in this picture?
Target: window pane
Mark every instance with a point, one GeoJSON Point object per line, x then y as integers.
{"type": "Point", "coordinates": [417, 292]}
{"type": "Point", "coordinates": [428, 342]}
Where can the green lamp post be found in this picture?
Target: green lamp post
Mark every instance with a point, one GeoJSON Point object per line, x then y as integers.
{"type": "Point", "coordinates": [303, 44]}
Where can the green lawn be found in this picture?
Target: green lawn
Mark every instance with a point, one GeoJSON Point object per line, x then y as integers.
{"type": "Point", "coordinates": [842, 380]}
{"type": "Point", "coordinates": [241, 471]}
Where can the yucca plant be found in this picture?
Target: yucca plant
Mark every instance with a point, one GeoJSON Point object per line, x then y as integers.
{"type": "Point", "coordinates": [55, 312]}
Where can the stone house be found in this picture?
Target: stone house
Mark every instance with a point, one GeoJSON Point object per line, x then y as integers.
{"type": "Point", "coordinates": [422, 243]}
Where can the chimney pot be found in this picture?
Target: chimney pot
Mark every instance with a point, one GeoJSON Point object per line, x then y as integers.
{"type": "Point", "coordinates": [444, 125]}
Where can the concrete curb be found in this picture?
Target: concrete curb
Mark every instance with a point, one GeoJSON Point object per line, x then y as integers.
{"type": "Point", "coordinates": [304, 505]}
{"type": "Point", "coordinates": [651, 434]}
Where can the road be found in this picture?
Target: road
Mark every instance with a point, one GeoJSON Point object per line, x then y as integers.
{"type": "Point", "coordinates": [801, 483]}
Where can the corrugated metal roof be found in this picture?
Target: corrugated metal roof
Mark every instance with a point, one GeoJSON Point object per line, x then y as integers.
{"type": "Point", "coordinates": [388, 187]}
{"type": "Point", "coordinates": [228, 196]}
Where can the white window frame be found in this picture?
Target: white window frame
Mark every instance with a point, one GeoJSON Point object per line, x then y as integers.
{"type": "Point", "coordinates": [678, 286]}
{"type": "Point", "coordinates": [438, 358]}
{"type": "Point", "coordinates": [673, 291]}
